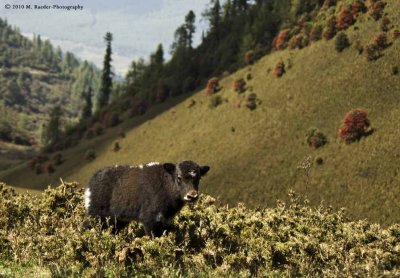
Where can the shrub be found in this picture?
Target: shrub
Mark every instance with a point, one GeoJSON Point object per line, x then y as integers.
{"type": "Point", "coordinates": [90, 155]}
{"type": "Point", "coordinates": [249, 76]}
{"type": "Point", "coordinates": [212, 86]}
{"type": "Point", "coordinates": [249, 57]}
{"type": "Point", "coordinates": [319, 161]}
{"type": "Point", "coordinates": [280, 41]}
{"type": "Point", "coordinates": [239, 85]}
{"type": "Point", "coordinates": [316, 33]}
{"type": "Point", "coordinates": [395, 34]}
{"type": "Point", "coordinates": [358, 7]}
{"type": "Point", "coordinates": [298, 41]}
{"type": "Point", "coordinates": [50, 169]}
{"type": "Point", "coordinates": [341, 42]}
{"type": "Point", "coordinates": [355, 125]}
{"type": "Point", "coordinates": [376, 9]}
{"type": "Point", "coordinates": [279, 69]}
{"type": "Point", "coordinates": [316, 138]}
{"type": "Point", "coordinates": [215, 101]}
{"type": "Point", "coordinates": [327, 4]}
{"type": "Point", "coordinates": [385, 24]}
{"type": "Point", "coordinates": [58, 159]}
{"type": "Point", "coordinates": [395, 70]}
{"type": "Point", "coordinates": [381, 41]}
{"type": "Point", "coordinates": [372, 52]}
{"type": "Point", "coordinates": [330, 30]}
{"type": "Point", "coordinates": [44, 235]}
{"type": "Point", "coordinates": [116, 147]}
{"type": "Point", "coordinates": [251, 101]}
{"type": "Point", "coordinates": [345, 19]}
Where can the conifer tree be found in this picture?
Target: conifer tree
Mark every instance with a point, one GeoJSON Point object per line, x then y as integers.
{"type": "Point", "coordinates": [87, 109]}
{"type": "Point", "coordinates": [190, 27]}
{"type": "Point", "coordinates": [52, 132]}
{"type": "Point", "coordinates": [106, 79]}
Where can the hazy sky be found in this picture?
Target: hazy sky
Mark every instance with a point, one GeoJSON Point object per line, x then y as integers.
{"type": "Point", "coordinates": [137, 26]}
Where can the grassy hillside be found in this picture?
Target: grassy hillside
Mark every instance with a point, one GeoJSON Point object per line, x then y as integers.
{"type": "Point", "coordinates": [43, 237]}
{"type": "Point", "coordinates": [255, 155]}
{"type": "Point", "coordinates": [35, 77]}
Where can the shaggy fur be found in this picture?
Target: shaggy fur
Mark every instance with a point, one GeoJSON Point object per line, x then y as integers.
{"type": "Point", "coordinates": [152, 194]}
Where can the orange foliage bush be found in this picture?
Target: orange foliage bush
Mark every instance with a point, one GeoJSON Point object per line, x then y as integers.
{"type": "Point", "coordinates": [281, 41]}
{"type": "Point", "coordinates": [279, 69]}
{"type": "Point", "coordinates": [212, 86]}
{"type": "Point", "coordinates": [355, 125]}
{"type": "Point", "coordinates": [345, 19]}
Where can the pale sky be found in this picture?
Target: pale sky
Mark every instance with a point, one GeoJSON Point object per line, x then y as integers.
{"type": "Point", "coordinates": [137, 26]}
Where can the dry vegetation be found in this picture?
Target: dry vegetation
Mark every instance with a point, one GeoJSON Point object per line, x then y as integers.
{"type": "Point", "coordinates": [43, 236]}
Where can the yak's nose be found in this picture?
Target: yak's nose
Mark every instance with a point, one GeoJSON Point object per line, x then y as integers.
{"type": "Point", "coordinates": [191, 196]}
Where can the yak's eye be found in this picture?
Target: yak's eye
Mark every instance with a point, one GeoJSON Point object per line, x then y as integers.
{"type": "Point", "coordinates": [179, 179]}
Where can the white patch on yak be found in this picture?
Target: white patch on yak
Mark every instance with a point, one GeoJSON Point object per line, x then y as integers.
{"type": "Point", "coordinates": [87, 198]}
{"type": "Point", "coordinates": [116, 166]}
{"type": "Point", "coordinates": [153, 163]}
{"type": "Point", "coordinates": [192, 173]}
{"type": "Point", "coordinates": [159, 217]}
{"type": "Point", "coordinates": [141, 166]}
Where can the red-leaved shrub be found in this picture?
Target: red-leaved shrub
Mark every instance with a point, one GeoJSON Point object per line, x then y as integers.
{"type": "Point", "coordinates": [316, 138]}
{"type": "Point", "coordinates": [381, 41]}
{"type": "Point", "coordinates": [355, 125]}
{"type": "Point", "coordinates": [281, 41]}
{"type": "Point", "coordinates": [279, 69]}
{"type": "Point", "coordinates": [212, 86]}
{"type": "Point", "coordinates": [358, 7]}
{"type": "Point", "coordinates": [239, 85]}
{"type": "Point", "coordinates": [298, 41]}
{"type": "Point", "coordinates": [345, 19]}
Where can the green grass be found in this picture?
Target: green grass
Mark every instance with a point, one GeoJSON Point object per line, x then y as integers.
{"type": "Point", "coordinates": [258, 162]}
{"type": "Point", "coordinates": [43, 237]}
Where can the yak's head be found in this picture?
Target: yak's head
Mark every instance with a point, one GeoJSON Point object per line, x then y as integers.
{"type": "Point", "coordinates": [186, 176]}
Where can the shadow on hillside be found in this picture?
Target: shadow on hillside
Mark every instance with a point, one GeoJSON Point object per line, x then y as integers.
{"type": "Point", "coordinates": [24, 179]}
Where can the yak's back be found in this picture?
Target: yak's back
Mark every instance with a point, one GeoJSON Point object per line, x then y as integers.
{"type": "Point", "coordinates": [100, 189]}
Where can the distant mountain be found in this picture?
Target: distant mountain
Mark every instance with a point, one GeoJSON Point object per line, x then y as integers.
{"type": "Point", "coordinates": [35, 77]}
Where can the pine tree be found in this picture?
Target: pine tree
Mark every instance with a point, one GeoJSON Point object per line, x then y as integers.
{"type": "Point", "coordinates": [190, 27]}
{"type": "Point", "coordinates": [106, 80]}
{"type": "Point", "coordinates": [52, 132]}
{"type": "Point", "coordinates": [157, 58]}
{"type": "Point", "coordinates": [87, 109]}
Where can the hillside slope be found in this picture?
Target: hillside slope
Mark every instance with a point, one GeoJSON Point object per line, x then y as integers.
{"type": "Point", "coordinates": [255, 155]}
{"type": "Point", "coordinates": [35, 77]}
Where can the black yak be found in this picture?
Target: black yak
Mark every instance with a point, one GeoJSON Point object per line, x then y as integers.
{"type": "Point", "coordinates": [151, 194]}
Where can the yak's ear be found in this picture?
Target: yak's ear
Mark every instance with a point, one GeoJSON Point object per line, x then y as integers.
{"type": "Point", "coordinates": [204, 170]}
{"type": "Point", "coordinates": [169, 167]}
